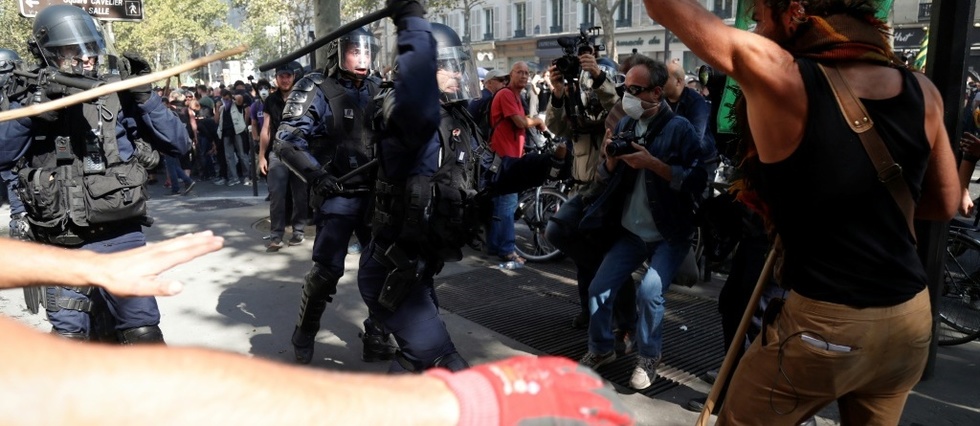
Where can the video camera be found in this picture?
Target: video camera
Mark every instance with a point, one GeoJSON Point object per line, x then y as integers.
{"type": "Point", "coordinates": [622, 144]}
{"type": "Point", "coordinates": [572, 46]}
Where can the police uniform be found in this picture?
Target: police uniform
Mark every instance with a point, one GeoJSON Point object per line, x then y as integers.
{"type": "Point", "coordinates": [82, 172]}
{"type": "Point", "coordinates": [320, 137]}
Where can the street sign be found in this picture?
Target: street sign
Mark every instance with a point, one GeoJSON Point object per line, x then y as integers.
{"type": "Point", "coordinates": [103, 10]}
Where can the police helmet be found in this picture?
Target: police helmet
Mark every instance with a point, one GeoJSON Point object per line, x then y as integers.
{"type": "Point", "coordinates": [9, 61]}
{"type": "Point", "coordinates": [67, 38]}
{"type": "Point", "coordinates": [456, 73]}
{"type": "Point", "coordinates": [356, 53]}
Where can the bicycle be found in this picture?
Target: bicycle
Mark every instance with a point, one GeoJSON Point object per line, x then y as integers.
{"type": "Point", "coordinates": [535, 207]}
{"type": "Point", "coordinates": [959, 303]}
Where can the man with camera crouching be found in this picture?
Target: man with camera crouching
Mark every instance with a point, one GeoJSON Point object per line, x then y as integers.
{"type": "Point", "coordinates": [651, 182]}
{"type": "Point", "coordinates": [578, 108]}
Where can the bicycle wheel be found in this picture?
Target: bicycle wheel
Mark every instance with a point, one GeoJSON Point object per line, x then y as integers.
{"type": "Point", "coordinates": [534, 208]}
{"type": "Point", "coordinates": [959, 304]}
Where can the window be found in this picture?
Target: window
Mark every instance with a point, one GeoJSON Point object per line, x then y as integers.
{"type": "Point", "coordinates": [723, 8]}
{"type": "Point", "coordinates": [557, 16]}
{"type": "Point", "coordinates": [588, 16]}
{"type": "Point", "coordinates": [624, 15]}
{"type": "Point", "coordinates": [520, 19]}
{"type": "Point", "coordinates": [488, 24]}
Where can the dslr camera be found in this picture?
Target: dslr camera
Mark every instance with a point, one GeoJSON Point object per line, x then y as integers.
{"type": "Point", "coordinates": [622, 144]}
{"type": "Point", "coordinates": [572, 46]}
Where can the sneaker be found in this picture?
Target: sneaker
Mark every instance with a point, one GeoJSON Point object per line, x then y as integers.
{"type": "Point", "coordinates": [354, 248]}
{"type": "Point", "coordinates": [274, 245]}
{"type": "Point", "coordinates": [190, 186]}
{"type": "Point", "coordinates": [220, 182]}
{"type": "Point", "coordinates": [171, 194]}
{"type": "Point", "coordinates": [594, 360]}
{"type": "Point", "coordinates": [697, 405]}
{"type": "Point", "coordinates": [247, 182]}
{"type": "Point", "coordinates": [581, 321]}
{"type": "Point", "coordinates": [644, 373]}
{"type": "Point", "coordinates": [625, 342]}
{"type": "Point", "coordinates": [297, 239]}
{"type": "Point", "coordinates": [234, 182]}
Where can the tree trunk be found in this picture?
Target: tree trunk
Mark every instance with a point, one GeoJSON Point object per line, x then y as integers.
{"type": "Point", "coordinates": [327, 18]}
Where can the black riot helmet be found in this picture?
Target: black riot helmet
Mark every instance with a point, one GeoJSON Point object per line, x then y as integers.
{"type": "Point", "coordinates": [354, 54]}
{"type": "Point", "coordinates": [456, 73]}
{"type": "Point", "coordinates": [9, 61]}
{"type": "Point", "coordinates": [69, 39]}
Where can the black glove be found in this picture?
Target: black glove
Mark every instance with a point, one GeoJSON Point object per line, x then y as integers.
{"type": "Point", "coordinates": [40, 98]}
{"type": "Point", "coordinates": [145, 154]}
{"type": "Point", "coordinates": [401, 9]}
{"type": "Point", "coordinates": [326, 184]}
{"type": "Point", "coordinates": [135, 66]}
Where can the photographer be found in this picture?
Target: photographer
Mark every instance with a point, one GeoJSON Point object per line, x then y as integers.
{"type": "Point", "coordinates": [650, 184]}
{"type": "Point", "coordinates": [573, 120]}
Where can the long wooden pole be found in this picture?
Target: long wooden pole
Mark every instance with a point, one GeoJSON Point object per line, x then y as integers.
{"type": "Point", "coordinates": [126, 84]}
{"type": "Point", "coordinates": [737, 342]}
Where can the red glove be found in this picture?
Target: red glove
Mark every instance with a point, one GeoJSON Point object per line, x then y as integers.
{"type": "Point", "coordinates": [549, 389]}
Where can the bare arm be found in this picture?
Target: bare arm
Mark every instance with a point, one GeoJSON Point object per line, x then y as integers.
{"type": "Point", "coordinates": [526, 121]}
{"type": "Point", "coordinates": [196, 386]}
{"type": "Point", "coordinates": [132, 272]}
{"type": "Point", "coordinates": [766, 73]}
{"type": "Point", "coordinates": [942, 192]}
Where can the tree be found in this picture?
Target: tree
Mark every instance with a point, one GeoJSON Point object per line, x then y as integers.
{"type": "Point", "coordinates": [175, 31]}
{"type": "Point", "coordinates": [275, 28]}
{"type": "Point", "coordinates": [16, 30]}
{"type": "Point", "coordinates": [606, 10]}
{"type": "Point", "coordinates": [465, 6]}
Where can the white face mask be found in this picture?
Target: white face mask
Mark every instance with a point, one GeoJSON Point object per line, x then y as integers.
{"type": "Point", "coordinates": [633, 106]}
{"type": "Point", "coordinates": [264, 93]}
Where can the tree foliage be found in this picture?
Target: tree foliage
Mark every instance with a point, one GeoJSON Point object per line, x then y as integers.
{"type": "Point", "coordinates": [274, 28]}
{"type": "Point", "coordinates": [465, 6]}
{"type": "Point", "coordinates": [16, 30]}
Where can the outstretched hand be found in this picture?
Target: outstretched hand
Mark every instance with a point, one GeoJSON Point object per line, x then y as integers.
{"type": "Point", "coordinates": [137, 272]}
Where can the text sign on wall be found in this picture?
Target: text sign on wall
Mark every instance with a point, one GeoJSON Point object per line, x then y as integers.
{"type": "Point", "coordinates": [103, 10]}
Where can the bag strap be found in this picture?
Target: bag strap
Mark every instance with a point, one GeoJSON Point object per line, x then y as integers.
{"type": "Point", "coordinates": [889, 171]}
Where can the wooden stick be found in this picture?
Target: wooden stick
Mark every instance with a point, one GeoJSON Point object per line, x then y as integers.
{"type": "Point", "coordinates": [737, 342]}
{"type": "Point", "coordinates": [126, 84]}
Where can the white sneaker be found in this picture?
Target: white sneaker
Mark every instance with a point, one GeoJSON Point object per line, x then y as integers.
{"type": "Point", "coordinates": [644, 373]}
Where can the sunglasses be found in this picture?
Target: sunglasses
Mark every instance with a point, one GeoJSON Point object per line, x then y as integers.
{"type": "Point", "coordinates": [636, 90]}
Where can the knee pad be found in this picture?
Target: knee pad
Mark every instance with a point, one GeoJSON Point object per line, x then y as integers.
{"type": "Point", "coordinates": [140, 335]}
{"type": "Point", "coordinates": [321, 284]}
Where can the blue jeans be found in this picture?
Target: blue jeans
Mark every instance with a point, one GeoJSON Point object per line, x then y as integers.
{"type": "Point", "coordinates": [175, 173]}
{"type": "Point", "coordinates": [625, 255]}
{"type": "Point", "coordinates": [279, 180]}
{"type": "Point", "coordinates": [500, 240]}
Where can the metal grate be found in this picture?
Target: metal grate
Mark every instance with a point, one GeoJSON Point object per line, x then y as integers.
{"type": "Point", "coordinates": [535, 306]}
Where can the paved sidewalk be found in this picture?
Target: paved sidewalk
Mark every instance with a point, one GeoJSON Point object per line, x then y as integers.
{"type": "Point", "coordinates": [244, 300]}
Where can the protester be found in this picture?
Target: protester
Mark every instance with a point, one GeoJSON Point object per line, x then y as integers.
{"type": "Point", "coordinates": [857, 325]}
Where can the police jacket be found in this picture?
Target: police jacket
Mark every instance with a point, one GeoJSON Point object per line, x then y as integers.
{"type": "Point", "coordinates": [671, 203]}
{"type": "Point", "coordinates": [323, 121]}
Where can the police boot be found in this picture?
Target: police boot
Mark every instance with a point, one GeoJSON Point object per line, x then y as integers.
{"type": "Point", "coordinates": [318, 290]}
{"type": "Point", "coordinates": [72, 336]}
{"type": "Point", "coordinates": [140, 335]}
{"type": "Point", "coordinates": [377, 345]}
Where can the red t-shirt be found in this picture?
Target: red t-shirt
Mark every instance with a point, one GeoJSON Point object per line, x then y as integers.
{"type": "Point", "coordinates": [507, 139]}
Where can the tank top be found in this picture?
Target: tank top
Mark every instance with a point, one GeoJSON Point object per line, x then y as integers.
{"type": "Point", "coordinates": [845, 237]}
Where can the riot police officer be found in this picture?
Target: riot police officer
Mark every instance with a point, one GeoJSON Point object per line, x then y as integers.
{"type": "Point", "coordinates": [435, 179]}
{"type": "Point", "coordinates": [320, 139]}
{"type": "Point", "coordinates": [82, 169]}
{"type": "Point", "coordinates": [9, 62]}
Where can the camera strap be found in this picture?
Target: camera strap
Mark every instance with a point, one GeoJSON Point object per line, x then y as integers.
{"type": "Point", "coordinates": [889, 171]}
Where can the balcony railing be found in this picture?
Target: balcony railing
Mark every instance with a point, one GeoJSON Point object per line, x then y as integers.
{"type": "Point", "coordinates": [555, 29]}
{"type": "Point", "coordinates": [520, 33]}
{"type": "Point", "coordinates": [487, 36]}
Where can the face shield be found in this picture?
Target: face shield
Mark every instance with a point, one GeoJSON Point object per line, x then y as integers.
{"type": "Point", "coordinates": [457, 75]}
{"type": "Point", "coordinates": [357, 55]}
{"type": "Point", "coordinates": [77, 46]}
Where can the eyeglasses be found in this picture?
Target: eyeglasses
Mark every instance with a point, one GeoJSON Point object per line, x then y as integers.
{"type": "Point", "coordinates": [636, 90]}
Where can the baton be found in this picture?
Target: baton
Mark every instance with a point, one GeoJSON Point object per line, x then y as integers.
{"type": "Point", "coordinates": [333, 35]}
{"type": "Point", "coordinates": [106, 89]}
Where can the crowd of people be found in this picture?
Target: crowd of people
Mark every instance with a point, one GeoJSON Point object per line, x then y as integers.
{"type": "Point", "coordinates": [420, 165]}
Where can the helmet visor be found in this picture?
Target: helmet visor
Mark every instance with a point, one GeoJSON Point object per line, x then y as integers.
{"type": "Point", "coordinates": [456, 74]}
{"type": "Point", "coordinates": [357, 55]}
{"type": "Point", "coordinates": [76, 46]}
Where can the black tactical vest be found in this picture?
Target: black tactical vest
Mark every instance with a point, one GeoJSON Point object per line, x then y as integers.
{"type": "Point", "coordinates": [347, 137]}
{"type": "Point", "coordinates": [72, 177]}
